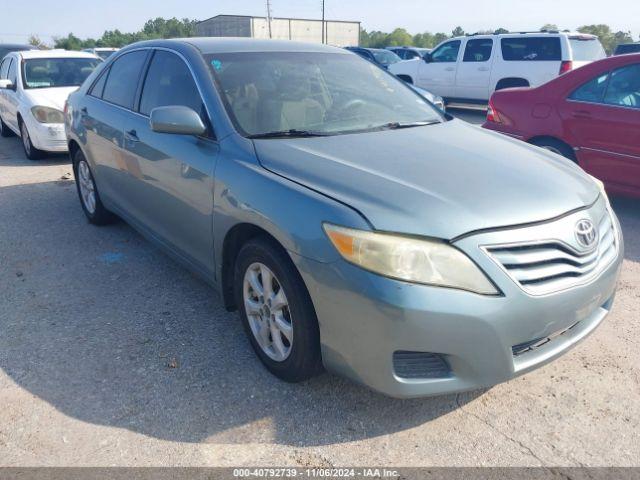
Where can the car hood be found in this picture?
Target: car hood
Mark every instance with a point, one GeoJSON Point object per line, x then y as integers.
{"type": "Point", "coordinates": [50, 97]}
{"type": "Point", "coordinates": [439, 180]}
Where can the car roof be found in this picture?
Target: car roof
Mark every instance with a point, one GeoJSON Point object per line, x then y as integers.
{"type": "Point", "coordinates": [27, 54]}
{"type": "Point", "coordinates": [208, 45]}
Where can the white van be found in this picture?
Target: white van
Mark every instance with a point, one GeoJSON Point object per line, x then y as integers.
{"type": "Point", "coordinates": [469, 69]}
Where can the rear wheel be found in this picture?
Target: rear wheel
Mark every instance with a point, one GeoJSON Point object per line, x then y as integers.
{"type": "Point", "coordinates": [276, 311]}
{"type": "Point", "coordinates": [92, 206]}
{"type": "Point", "coordinates": [30, 151]}
{"type": "Point", "coordinates": [556, 146]}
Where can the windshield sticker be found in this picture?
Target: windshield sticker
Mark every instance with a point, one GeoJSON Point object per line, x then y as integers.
{"type": "Point", "coordinates": [216, 64]}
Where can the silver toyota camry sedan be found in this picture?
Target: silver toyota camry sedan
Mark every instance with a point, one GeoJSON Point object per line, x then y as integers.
{"type": "Point", "coordinates": [353, 225]}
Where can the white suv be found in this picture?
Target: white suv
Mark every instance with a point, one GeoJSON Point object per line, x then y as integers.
{"type": "Point", "coordinates": [469, 69]}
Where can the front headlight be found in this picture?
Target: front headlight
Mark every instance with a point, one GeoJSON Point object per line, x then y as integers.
{"type": "Point", "coordinates": [47, 115]}
{"type": "Point", "coordinates": [429, 262]}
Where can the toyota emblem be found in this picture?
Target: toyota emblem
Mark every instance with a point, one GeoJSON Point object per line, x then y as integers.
{"type": "Point", "coordinates": [586, 233]}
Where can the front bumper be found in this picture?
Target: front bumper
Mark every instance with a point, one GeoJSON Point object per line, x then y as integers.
{"type": "Point", "coordinates": [49, 137]}
{"type": "Point", "coordinates": [365, 318]}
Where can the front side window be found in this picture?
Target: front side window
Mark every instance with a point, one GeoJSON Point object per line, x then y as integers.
{"type": "Point", "coordinates": [122, 81]}
{"type": "Point", "coordinates": [385, 57]}
{"type": "Point", "coordinates": [592, 91]}
{"type": "Point", "coordinates": [624, 87]}
{"type": "Point", "coordinates": [322, 93]}
{"type": "Point", "coordinates": [169, 82]}
{"type": "Point", "coordinates": [446, 53]}
{"type": "Point", "coordinates": [478, 50]}
{"type": "Point", "coordinates": [12, 74]}
{"type": "Point", "coordinates": [57, 72]}
{"type": "Point", "coordinates": [4, 68]}
{"type": "Point", "coordinates": [531, 49]}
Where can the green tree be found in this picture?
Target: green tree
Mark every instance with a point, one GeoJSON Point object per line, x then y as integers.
{"type": "Point", "coordinates": [608, 38]}
{"type": "Point", "coordinates": [70, 42]}
{"type": "Point", "coordinates": [399, 37]}
{"type": "Point", "coordinates": [36, 42]}
{"type": "Point", "coordinates": [457, 32]}
{"type": "Point", "coordinates": [549, 27]}
{"type": "Point", "coordinates": [500, 31]}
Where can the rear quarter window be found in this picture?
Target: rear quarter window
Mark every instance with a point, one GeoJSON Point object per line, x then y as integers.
{"type": "Point", "coordinates": [531, 49]}
{"type": "Point", "coordinates": [586, 49]}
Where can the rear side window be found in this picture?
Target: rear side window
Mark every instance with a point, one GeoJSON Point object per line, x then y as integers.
{"type": "Point", "coordinates": [531, 49]}
{"type": "Point", "coordinates": [12, 74]}
{"type": "Point", "coordinates": [586, 49]}
{"type": "Point", "coordinates": [122, 82]}
{"type": "Point", "coordinates": [624, 87]}
{"type": "Point", "coordinates": [478, 50]}
{"type": "Point", "coordinates": [169, 82]}
{"type": "Point", "coordinates": [592, 91]}
{"type": "Point", "coordinates": [98, 87]}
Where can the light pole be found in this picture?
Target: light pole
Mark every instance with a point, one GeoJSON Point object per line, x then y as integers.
{"type": "Point", "coordinates": [269, 17]}
{"type": "Point", "coordinates": [323, 25]}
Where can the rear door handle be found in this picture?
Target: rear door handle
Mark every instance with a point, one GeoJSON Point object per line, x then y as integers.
{"type": "Point", "coordinates": [450, 69]}
{"type": "Point", "coordinates": [131, 136]}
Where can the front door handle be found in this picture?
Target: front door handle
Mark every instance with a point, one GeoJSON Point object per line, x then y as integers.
{"type": "Point", "coordinates": [483, 69]}
{"type": "Point", "coordinates": [131, 136]}
{"type": "Point", "coordinates": [450, 69]}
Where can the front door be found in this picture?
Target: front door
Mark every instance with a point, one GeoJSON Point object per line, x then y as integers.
{"type": "Point", "coordinates": [437, 73]}
{"type": "Point", "coordinates": [174, 172]}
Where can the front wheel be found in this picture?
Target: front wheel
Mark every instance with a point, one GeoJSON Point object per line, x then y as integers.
{"type": "Point", "coordinates": [556, 146]}
{"type": "Point", "coordinates": [276, 311]}
{"type": "Point", "coordinates": [30, 151]}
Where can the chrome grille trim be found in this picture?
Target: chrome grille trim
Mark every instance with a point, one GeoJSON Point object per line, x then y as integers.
{"type": "Point", "coordinates": [545, 266]}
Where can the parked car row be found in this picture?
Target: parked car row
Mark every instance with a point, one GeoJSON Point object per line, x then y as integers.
{"type": "Point", "coordinates": [469, 69]}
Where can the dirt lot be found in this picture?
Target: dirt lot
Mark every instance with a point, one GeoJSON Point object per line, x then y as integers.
{"type": "Point", "coordinates": [111, 354]}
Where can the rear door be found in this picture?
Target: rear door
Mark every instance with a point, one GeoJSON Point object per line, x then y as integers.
{"type": "Point", "coordinates": [537, 59]}
{"type": "Point", "coordinates": [439, 74]}
{"type": "Point", "coordinates": [104, 112]}
{"type": "Point", "coordinates": [603, 117]}
{"type": "Point", "coordinates": [4, 71]}
{"type": "Point", "coordinates": [474, 72]}
{"type": "Point", "coordinates": [173, 173]}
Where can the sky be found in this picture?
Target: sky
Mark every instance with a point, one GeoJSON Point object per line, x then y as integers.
{"type": "Point", "coordinates": [89, 19]}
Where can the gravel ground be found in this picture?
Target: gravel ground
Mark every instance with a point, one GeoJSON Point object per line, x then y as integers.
{"type": "Point", "coordinates": [112, 354]}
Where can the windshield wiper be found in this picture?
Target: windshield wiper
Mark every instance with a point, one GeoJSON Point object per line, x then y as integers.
{"type": "Point", "coordinates": [289, 133]}
{"type": "Point", "coordinates": [398, 125]}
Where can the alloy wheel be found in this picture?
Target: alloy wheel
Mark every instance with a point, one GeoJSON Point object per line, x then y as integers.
{"type": "Point", "coordinates": [87, 188]}
{"type": "Point", "coordinates": [267, 310]}
{"type": "Point", "coordinates": [26, 141]}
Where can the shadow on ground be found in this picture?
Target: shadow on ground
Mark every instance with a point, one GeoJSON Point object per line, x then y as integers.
{"type": "Point", "coordinates": [108, 330]}
{"type": "Point", "coordinates": [628, 211]}
{"type": "Point", "coordinates": [12, 155]}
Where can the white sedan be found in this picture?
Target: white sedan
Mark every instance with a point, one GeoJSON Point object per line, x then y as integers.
{"type": "Point", "coordinates": [34, 85]}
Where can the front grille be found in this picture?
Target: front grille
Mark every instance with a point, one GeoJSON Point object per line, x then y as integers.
{"type": "Point", "coordinates": [548, 266]}
{"type": "Point", "coordinates": [420, 365]}
{"type": "Point", "coordinates": [531, 345]}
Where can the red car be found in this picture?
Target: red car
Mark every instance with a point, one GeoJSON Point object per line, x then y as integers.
{"type": "Point", "coordinates": [590, 115]}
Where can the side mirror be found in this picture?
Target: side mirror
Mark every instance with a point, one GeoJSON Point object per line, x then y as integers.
{"type": "Point", "coordinates": [177, 120]}
{"type": "Point", "coordinates": [427, 57]}
{"type": "Point", "coordinates": [7, 84]}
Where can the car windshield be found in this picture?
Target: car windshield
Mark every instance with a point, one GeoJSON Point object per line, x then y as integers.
{"type": "Point", "coordinates": [57, 72]}
{"type": "Point", "coordinates": [586, 49]}
{"type": "Point", "coordinates": [385, 57]}
{"type": "Point", "coordinates": [316, 93]}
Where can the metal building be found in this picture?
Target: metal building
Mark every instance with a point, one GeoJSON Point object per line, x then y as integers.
{"type": "Point", "coordinates": [337, 32]}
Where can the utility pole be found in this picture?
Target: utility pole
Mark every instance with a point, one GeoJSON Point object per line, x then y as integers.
{"type": "Point", "coordinates": [269, 17]}
{"type": "Point", "coordinates": [323, 25]}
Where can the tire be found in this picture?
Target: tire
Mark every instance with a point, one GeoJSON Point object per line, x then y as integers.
{"type": "Point", "coordinates": [301, 357]}
{"type": "Point", "coordinates": [90, 201]}
{"type": "Point", "coordinates": [406, 78]}
{"type": "Point", "coordinates": [555, 146]}
{"type": "Point", "coordinates": [31, 152]}
{"type": "Point", "coordinates": [5, 131]}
